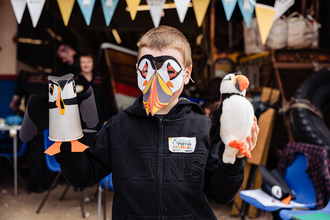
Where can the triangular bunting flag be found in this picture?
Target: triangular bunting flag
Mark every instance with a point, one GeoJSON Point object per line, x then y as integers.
{"type": "Point", "coordinates": [18, 7]}
{"type": "Point", "coordinates": [229, 6]}
{"type": "Point", "coordinates": [35, 8]}
{"type": "Point", "coordinates": [181, 8]}
{"type": "Point", "coordinates": [132, 4]}
{"type": "Point", "coordinates": [200, 8]}
{"type": "Point", "coordinates": [86, 7]}
{"type": "Point", "coordinates": [156, 10]}
{"type": "Point", "coordinates": [281, 7]}
{"type": "Point", "coordinates": [66, 7]}
{"type": "Point", "coordinates": [109, 7]}
{"type": "Point", "coordinates": [265, 16]}
{"type": "Point", "coordinates": [247, 10]}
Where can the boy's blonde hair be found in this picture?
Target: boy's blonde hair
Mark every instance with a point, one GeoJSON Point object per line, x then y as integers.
{"type": "Point", "coordinates": [163, 37]}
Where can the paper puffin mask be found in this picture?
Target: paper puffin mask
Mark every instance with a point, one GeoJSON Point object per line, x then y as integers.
{"type": "Point", "coordinates": [158, 78]}
{"type": "Point", "coordinates": [60, 112]}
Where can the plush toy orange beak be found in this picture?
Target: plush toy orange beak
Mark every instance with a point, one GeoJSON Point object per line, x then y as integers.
{"type": "Point", "coordinates": [241, 82]}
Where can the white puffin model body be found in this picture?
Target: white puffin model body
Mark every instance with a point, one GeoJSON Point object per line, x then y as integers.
{"type": "Point", "coordinates": [64, 120]}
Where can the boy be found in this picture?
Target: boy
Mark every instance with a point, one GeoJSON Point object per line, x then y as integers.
{"type": "Point", "coordinates": [157, 149]}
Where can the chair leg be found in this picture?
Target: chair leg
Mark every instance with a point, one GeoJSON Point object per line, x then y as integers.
{"type": "Point", "coordinates": [81, 203]}
{"type": "Point", "coordinates": [65, 191]}
{"type": "Point", "coordinates": [50, 189]}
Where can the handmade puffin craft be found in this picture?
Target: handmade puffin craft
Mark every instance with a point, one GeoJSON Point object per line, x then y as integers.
{"type": "Point", "coordinates": [59, 111]}
{"type": "Point", "coordinates": [232, 120]}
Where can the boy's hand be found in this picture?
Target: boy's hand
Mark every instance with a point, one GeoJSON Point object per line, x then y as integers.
{"type": "Point", "coordinates": [252, 141]}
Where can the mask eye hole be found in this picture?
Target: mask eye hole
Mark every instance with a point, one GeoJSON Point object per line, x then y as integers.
{"type": "Point", "coordinates": [145, 70]}
{"type": "Point", "coordinates": [51, 89]}
{"type": "Point", "coordinates": [171, 71]}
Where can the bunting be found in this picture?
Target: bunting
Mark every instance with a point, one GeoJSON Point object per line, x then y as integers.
{"type": "Point", "coordinates": [247, 10]}
{"type": "Point", "coordinates": [108, 7]}
{"type": "Point", "coordinates": [65, 7]}
{"type": "Point", "coordinates": [265, 16]}
{"type": "Point", "coordinates": [86, 7]}
{"type": "Point", "coordinates": [156, 10]}
{"type": "Point", "coordinates": [35, 7]}
{"type": "Point", "coordinates": [18, 7]}
{"type": "Point", "coordinates": [133, 4]}
{"type": "Point", "coordinates": [282, 6]}
{"type": "Point", "coordinates": [229, 6]}
{"type": "Point", "coordinates": [182, 8]}
{"type": "Point", "coordinates": [200, 8]}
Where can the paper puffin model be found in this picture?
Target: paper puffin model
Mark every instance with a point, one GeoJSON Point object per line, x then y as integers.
{"type": "Point", "coordinates": [59, 111]}
{"type": "Point", "coordinates": [233, 118]}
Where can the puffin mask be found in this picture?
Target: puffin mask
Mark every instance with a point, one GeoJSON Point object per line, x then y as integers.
{"type": "Point", "coordinates": [158, 78]}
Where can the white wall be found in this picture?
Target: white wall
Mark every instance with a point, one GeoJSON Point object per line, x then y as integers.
{"type": "Point", "coordinates": [8, 28]}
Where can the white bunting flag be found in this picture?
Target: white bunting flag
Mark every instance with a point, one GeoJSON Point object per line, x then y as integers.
{"type": "Point", "coordinates": [282, 6]}
{"type": "Point", "coordinates": [18, 7]}
{"type": "Point", "coordinates": [181, 8]}
{"type": "Point", "coordinates": [35, 8]}
{"type": "Point", "coordinates": [156, 10]}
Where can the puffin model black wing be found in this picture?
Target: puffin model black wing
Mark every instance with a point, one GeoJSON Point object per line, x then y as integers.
{"type": "Point", "coordinates": [87, 106]}
{"type": "Point", "coordinates": [36, 115]}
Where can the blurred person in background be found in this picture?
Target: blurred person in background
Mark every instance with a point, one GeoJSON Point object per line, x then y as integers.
{"type": "Point", "coordinates": [69, 57]}
{"type": "Point", "coordinates": [86, 77]}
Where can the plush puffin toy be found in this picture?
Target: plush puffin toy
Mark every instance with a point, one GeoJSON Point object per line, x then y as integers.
{"type": "Point", "coordinates": [233, 118]}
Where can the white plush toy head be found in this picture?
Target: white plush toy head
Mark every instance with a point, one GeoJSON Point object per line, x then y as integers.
{"type": "Point", "coordinates": [234, 83]}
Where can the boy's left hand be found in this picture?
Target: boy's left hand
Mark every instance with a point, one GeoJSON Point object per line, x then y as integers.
{"type": "Point", "coordinates": [251, 140]}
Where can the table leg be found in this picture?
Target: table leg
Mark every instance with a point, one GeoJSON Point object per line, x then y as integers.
{"type": "Point", "coordinates": [13, 134]}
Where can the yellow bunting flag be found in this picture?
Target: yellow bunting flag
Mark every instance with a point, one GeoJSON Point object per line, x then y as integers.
{"type": "Point", "coordinates": [200, 8]}
{"type": "Point", "coordinates": [265, 16]}
{"type": "Point", "coordinates": [66, 7]}
{"type": "Point", "coordinates": [133, 4]}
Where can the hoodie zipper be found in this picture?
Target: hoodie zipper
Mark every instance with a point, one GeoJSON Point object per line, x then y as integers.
{"type": "Point", "coordinates": [160, 169]}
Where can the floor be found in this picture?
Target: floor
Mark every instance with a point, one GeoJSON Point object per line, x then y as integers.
{"type": "Point", "coordinates": [24, 206]}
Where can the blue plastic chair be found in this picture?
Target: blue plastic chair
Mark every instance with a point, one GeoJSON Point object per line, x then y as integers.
{"type": "Point", "coordinates": [286, 214]}
{"type": "Point", "coordinates": [55, 167]}
{"type": "Point", "coordinates": [298, 181]}
{"type": "Point", "coordinates": [104, 185]}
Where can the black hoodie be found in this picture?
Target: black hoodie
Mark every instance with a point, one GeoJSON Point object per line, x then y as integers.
{"type": "Point", "coordinates": [150, 181]}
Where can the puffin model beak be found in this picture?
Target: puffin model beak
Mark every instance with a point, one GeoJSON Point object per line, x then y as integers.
{"type": "Point", "coordinates": [241, 82]}
{"type": "Point", "coordinates": [59, 102]}
{"type": "Point", "coordinates": [156, 95]}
